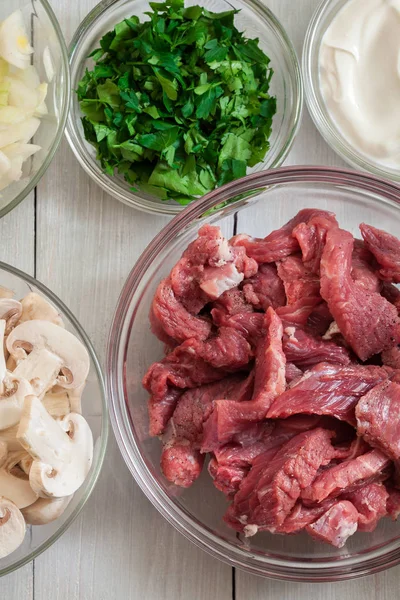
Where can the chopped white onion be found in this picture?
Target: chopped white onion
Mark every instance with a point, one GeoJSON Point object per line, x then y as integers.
{"type": "Point", "coordinates": [14, 43]}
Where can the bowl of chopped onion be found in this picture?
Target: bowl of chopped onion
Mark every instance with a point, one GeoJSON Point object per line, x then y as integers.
{"type": "Point", "coordinates": [34, 96]}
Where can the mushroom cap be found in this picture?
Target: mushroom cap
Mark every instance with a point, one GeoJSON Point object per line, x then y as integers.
{"type": "Point", "coordinates": [16, 489]}
{"type": "Point", "coordinates": [12, 399]}
{"type": "Point", "coordinates": [10, 311]}
{"type": "Point", "coordinates": [12, 527]}
{"type": "Point", "coordinates": [35, 307]}
{"type": "Point", "coordinates": [37, 335]}
{"type": "Point", "coordinates": [45, 510]}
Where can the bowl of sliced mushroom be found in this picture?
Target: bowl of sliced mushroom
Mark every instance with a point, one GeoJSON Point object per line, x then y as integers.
{"type": "Point", "coordinates": [53, 418]}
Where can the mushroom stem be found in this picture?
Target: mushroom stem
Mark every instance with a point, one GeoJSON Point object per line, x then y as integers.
{"type": "Point", "coordinates": [41, 369]}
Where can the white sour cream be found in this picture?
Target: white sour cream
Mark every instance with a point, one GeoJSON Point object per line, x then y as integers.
{"type": "Point", "coordinates": [359, 70]}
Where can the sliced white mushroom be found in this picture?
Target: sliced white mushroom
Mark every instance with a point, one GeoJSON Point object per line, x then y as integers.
{"type": "Point", "coordinates": [47, 355]}
{"type": "Point", "coordinates": [45, 510]}
{"type": "Point", "coordinates": [14, 391]}
{"type": "Point", "coordinates": [59, 402]}
{"type": "Point", "coordinates": [14, 484]}
{"type": "Point", "coordinates": [12, 527]}
{"type": "Point", "coordinates": [25, 462]}
{"type": "Point", "coordinates": [11, 363]}
{"type": "Point", "coordinates": [3, 368]}
{"type": "Point", "coordinates": [62, 450]}
{"type": "Point", "coordinates": [10, 311]}
{"type": "Point", "coordinates": [5, 292]}
{"type": "Point", "coordinates": [9, 436]}
{"type": "Point", "coordinates": [3, 453]}
{"type": "Point", "coordinates": [35, 307]}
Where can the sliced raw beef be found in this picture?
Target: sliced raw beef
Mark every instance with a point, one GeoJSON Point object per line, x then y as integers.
{"type": "Point", "coordinates": [347, 476]}
{"type": "Point", "coordinates": [393, 503]}
{"type": "Point", "coordinates": [301, 516]}
{"type": "Point", "coordinates": [368, 322]}
{"type": "Point", "coordinates": [351, 449]}
{"type": "Point", "coordinates": [305, 350]}
{"type": "Point", "coordinates": [391, 358]}
{"type": "Point", "coordinates": [232, 302]}
{"type": "Point", "coordinates": [378, 418]}
{"type": "Point", "coordinates": [168, 315]}
{"type": "Point", "coordinates": [319, 320]}
{"type": "Point", "coordinates": [363, 268]}
{"type": "Point", "coordinates": [229, 418]}
{"type": "Point", "coordinates": [370, 502]}
{"type": "Point", "coordinates": [265, 288]}
{"type": "Point", "coordinates": [270, 491]}
{"type": "Point", "coordinates": [185, 278]}
{"type": "Point", "coordinates": [311, 237]}
{"type": "Point", "coordinates": [386, 249]}
{"type": "Point", "coordinates": [181, 461]}
{"type": "Point", "coordinates": [228, 349]}
{"type": "Point", "coordinates": [292, 372]}
{"type": "Point", "coordinates": [336, 525]}
{"type": "Point", "coordinates": [165, 380]}
{"type": "Point", "coordinates": [249, 325]}
{"type": "Point", "coordinates": [278, 243]}
{"type": "Point", "coordinates": [298, 281]}
{"type": "Point", "coordinates": [328, 389]}
{"type": "Point", "coordinates": [299, 312]}
{"type": "Point", "coordinates": [391, 293]}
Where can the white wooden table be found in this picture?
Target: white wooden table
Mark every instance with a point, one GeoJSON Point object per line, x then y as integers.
{"type": "Point", "coordinates": [82, 244]}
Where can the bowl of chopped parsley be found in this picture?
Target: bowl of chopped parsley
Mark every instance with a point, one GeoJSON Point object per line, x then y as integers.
{"type": "Point", "coordinates": [174, 99]}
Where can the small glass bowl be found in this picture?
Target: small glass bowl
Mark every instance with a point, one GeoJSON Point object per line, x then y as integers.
{"type": "Point", "coordinates": [260, 202]}
{"type": "Point", "coordinates": [255, 20]}
{"type": "Point", "coordinates": [94, 409]}
{"type": "Point", "coordinates": [319, 23]}
{"type": "Point", "coordinates": [45, 32]}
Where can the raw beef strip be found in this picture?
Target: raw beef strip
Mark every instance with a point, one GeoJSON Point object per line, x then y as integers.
{"type": "Point", "coordinates": [170, 316]}
{"type": "Point", "coordinates": [336, 525]}
{"type": "Point", "coordinates": [228, 349]}
{"type": "Point", "coordinates": [299, 283]}
{"type": "Point", "coordinates": [370, 502]}
{"type": "Point", "coordinates": [347, 476]}
{"type": "Point", "coordinates": [393, 503]}
{"type": "Point", "coordinates": [299, 312]}
{"type": "Point", "coordinates": [292, 372]}
{"type": "Point", "coordinates": [305, 350]}
{"type": "Point", "coordinates": [311, 237]}
{"type": "Point", "coordinates": [351, 449]}
{"type": "Point", "coordinates": [229, 418]}
{"type": "Point", "coordinates": [185, 279]}
{"type": "Point", "coordinates": [181, 461]}
{"type": "Point", "coordinates": [378, 418]}
{"type": "Point", "coordinates": [249, 325]}
{"type": "Point", "coordinates": [232, 302]}
{"type": "Point", "coordinates": [391, 293]}
{"type": "Point", "coordinates": [328, 389]}
{"type": "Point", "coordinates": [270, 491]}
{"type": "Point", "coordinates": [368, 322]}
{"type": "Point", "coordinates": [319, 320]}
{"type": "Point", "coordinates": [165, 381]}
{"type": "Point", "coordinates": [301, 516]}
{"type": "Point", "coordinates": [278, 243]}
{"type": "Point", "coordinates": [265, 288]}
{"type": "Point", "coordinates": [363, 270]}
{"type": "Point", "coordinates": [386, 249]}
{"type": "Point", "coordinates": [391, 358]}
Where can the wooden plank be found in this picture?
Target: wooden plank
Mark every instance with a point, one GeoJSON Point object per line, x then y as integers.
{"type": "Point", "coordinates": [17, 249]}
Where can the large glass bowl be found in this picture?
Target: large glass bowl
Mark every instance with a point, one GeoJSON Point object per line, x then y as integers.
{"type": "Point", "coordinates": [45, 32]}
{"type": "Point", "coordinates": [255, 20]}
{"type": "Point", "coordinates": [256, 205]}
{"type": "Point", "coordinates": [94, 409]}
{"type": "Point", "coordinates": [320, 21]}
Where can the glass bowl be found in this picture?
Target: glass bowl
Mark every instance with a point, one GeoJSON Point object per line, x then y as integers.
{"type": "Point", "coordinates": [94, 409]}
{"type": "Point", "coordinates": [318, 25]}
{"type": "Point", "coordinates": [256, 205]}
{"type": "Point", "coordinates": [255, 20]}
{"type": "Point", "coordinates": [45, 32]}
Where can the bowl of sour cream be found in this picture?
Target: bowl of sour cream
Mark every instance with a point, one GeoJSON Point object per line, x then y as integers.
{"type": "Point", "coordinates": [351, 67]}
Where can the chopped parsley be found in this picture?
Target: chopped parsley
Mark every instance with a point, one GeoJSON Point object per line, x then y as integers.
{"type": "Point", "coordinates": [178, 104]}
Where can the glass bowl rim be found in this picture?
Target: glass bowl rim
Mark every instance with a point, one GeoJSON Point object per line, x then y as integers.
{"type": "Point", "coordinates": [277, 568]}
{"type": "Point", "coordinates": [91, 481]}
{"type": "Point", "coordinates": [63, 115]}
{"type": "Point", "coordinates": [134, 200]}
{"type": "Point", "coordinates": [316, 107]}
